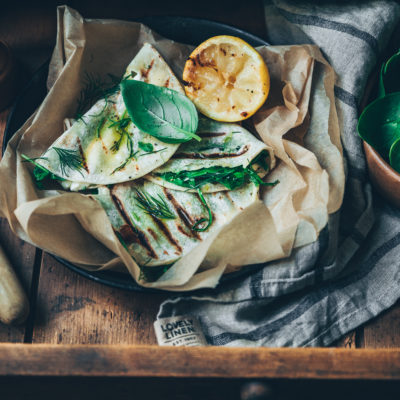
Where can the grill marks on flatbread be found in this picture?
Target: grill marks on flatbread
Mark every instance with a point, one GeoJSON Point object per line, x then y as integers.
{"type": "Point", "coordinates": [153, 241]}
{"type": "Point", "coordinates": [95, 140]}
{"type": "Point", "coordinates": [222, 144]}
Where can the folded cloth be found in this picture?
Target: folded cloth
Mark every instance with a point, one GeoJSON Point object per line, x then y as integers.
{"type": "Point", "coordinates": [351, 273]}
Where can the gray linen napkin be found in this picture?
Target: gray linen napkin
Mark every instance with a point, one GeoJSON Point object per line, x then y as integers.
{"type": "Point", "coordinates": [352, 272]}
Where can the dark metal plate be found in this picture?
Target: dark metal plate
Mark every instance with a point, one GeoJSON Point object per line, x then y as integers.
{"type": "Point", "coordinates": [181, 29]}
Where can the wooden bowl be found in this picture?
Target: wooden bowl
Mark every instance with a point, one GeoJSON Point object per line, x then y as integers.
{"type": "Point", "coordinates": [384, 178]}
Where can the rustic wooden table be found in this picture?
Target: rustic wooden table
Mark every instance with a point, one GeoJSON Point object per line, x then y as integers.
{"type": "Point", "coordinates": [69, 309]}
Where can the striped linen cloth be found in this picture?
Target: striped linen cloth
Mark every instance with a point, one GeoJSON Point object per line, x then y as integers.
{"type": "Point", "coordinates": [352, 273]}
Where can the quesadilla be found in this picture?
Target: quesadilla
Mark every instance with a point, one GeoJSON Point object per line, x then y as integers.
{"type": "Point", "coordinates": [158, 225]}
{"type": "Point", "coordinates": [103, 146]}
{"type": "Point", "coordinates": [227, 157]}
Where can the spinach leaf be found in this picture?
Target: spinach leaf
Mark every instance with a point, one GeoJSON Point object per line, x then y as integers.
{"type": "Point", "coordinates": [379, 123]}
{"type": "Point", "coordinates": [231, 178]}
{"type": "Point", "coordinates": [394, 155]}
{"type": "Point", "coordinates": [40, 173]}
{"type": "Point", "coordinates": [389, 78]}
{"type": "Point", "coordinates": [160, 112]}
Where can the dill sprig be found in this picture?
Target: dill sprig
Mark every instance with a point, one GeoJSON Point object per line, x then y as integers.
{"type": "Point", "coordinates": [157, 207]}
{"type": "Point", "coordinates": [95, 88]}
{"type": "Point", "coordinates": [203, 220]}
{"type": "Point", "coordinates": [115, 147]}
{"type": "Point", "coordinates": [120, 125]}
{"type": "Point", "coordinates": [69, 160]}
{"type": "Point", "coordinates": [125, 163]}
{"type": "Point", "coordinates": [92, 90]}
{"type": "Point", "coordinates": [99, 126]}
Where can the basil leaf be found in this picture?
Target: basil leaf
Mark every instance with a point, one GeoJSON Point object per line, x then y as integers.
{"type": "Point", "coordinates": [147, 147]}
{"type": "Point", "coordinates": [389, 79]}
{"type": "Point", "coordinates": [379, 123]}
{"type": "Point", "coordinates": [160, 112]}
{"type": "Point", "coordinates": [394, 155]}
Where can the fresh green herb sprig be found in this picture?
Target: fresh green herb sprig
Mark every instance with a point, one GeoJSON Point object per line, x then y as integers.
{"type": "Point", "coordinates": [69, 160]}
{"type": "Point", "coordinates": [92, 90]}
{"type": "Point", "coordinates": [125, 163]}
{"type": "Point", "coordinates": [95, 88]}
{"type": "Point", "coordinates": [153, 152]}
{"type": "Point", "coordinates": [231, 178]}
{"type": "Point", "coordinates": [40, 173]}
{"type": "Point", "coordinates": [148, 149]}
{"type": "Point", "coordinates": [155, 206]}
{"type": "Point", "coordinates": [99, 126]}
{"type": "Point", "coordinates": [203, 220]}
{"type": "Point", "coordinates": [120, 125]}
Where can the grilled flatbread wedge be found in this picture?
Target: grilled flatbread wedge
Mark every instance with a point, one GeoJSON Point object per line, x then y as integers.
{"type": "Point", "coordinates": [227, 157]}
{"type": "Point", "coordinates": [104, 146]}
{"type": "Point", "coordinates": [158, 225]}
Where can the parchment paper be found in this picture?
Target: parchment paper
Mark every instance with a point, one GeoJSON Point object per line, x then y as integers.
{"type": "Point", "coordinates": [298, 121]}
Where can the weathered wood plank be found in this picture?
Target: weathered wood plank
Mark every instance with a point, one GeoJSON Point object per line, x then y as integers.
{"type": "Point", "coordinates": [348, 341]}
{"type": "Point", "coordinates": [218, 362]}
{"type": "Point", "coordinates": [384, 331]}
{"type": "Point", "coordinates": [72, 309]}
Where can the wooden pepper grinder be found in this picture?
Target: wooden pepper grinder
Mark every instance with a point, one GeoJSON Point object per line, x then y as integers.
{"type": "Point", "coordinates": [8, 76]}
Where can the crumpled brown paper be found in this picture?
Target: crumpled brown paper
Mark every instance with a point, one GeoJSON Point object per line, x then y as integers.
{"type": "Point", "coordinates": [298, 121]}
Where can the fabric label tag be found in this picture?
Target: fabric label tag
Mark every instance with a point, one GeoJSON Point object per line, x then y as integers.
{"type": "Point", "coordinates": [182, 330]}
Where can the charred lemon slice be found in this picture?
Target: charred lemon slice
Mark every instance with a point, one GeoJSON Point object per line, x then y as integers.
{"type": "Point", "coordinates": [226, 78]}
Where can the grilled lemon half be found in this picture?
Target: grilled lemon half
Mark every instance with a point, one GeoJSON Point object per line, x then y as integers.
{"type": "Point", "coordinates": [226, 79]}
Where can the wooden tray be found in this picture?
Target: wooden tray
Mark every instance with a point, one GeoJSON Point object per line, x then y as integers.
{"type": "Point", "coordinates": [78, 328]}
